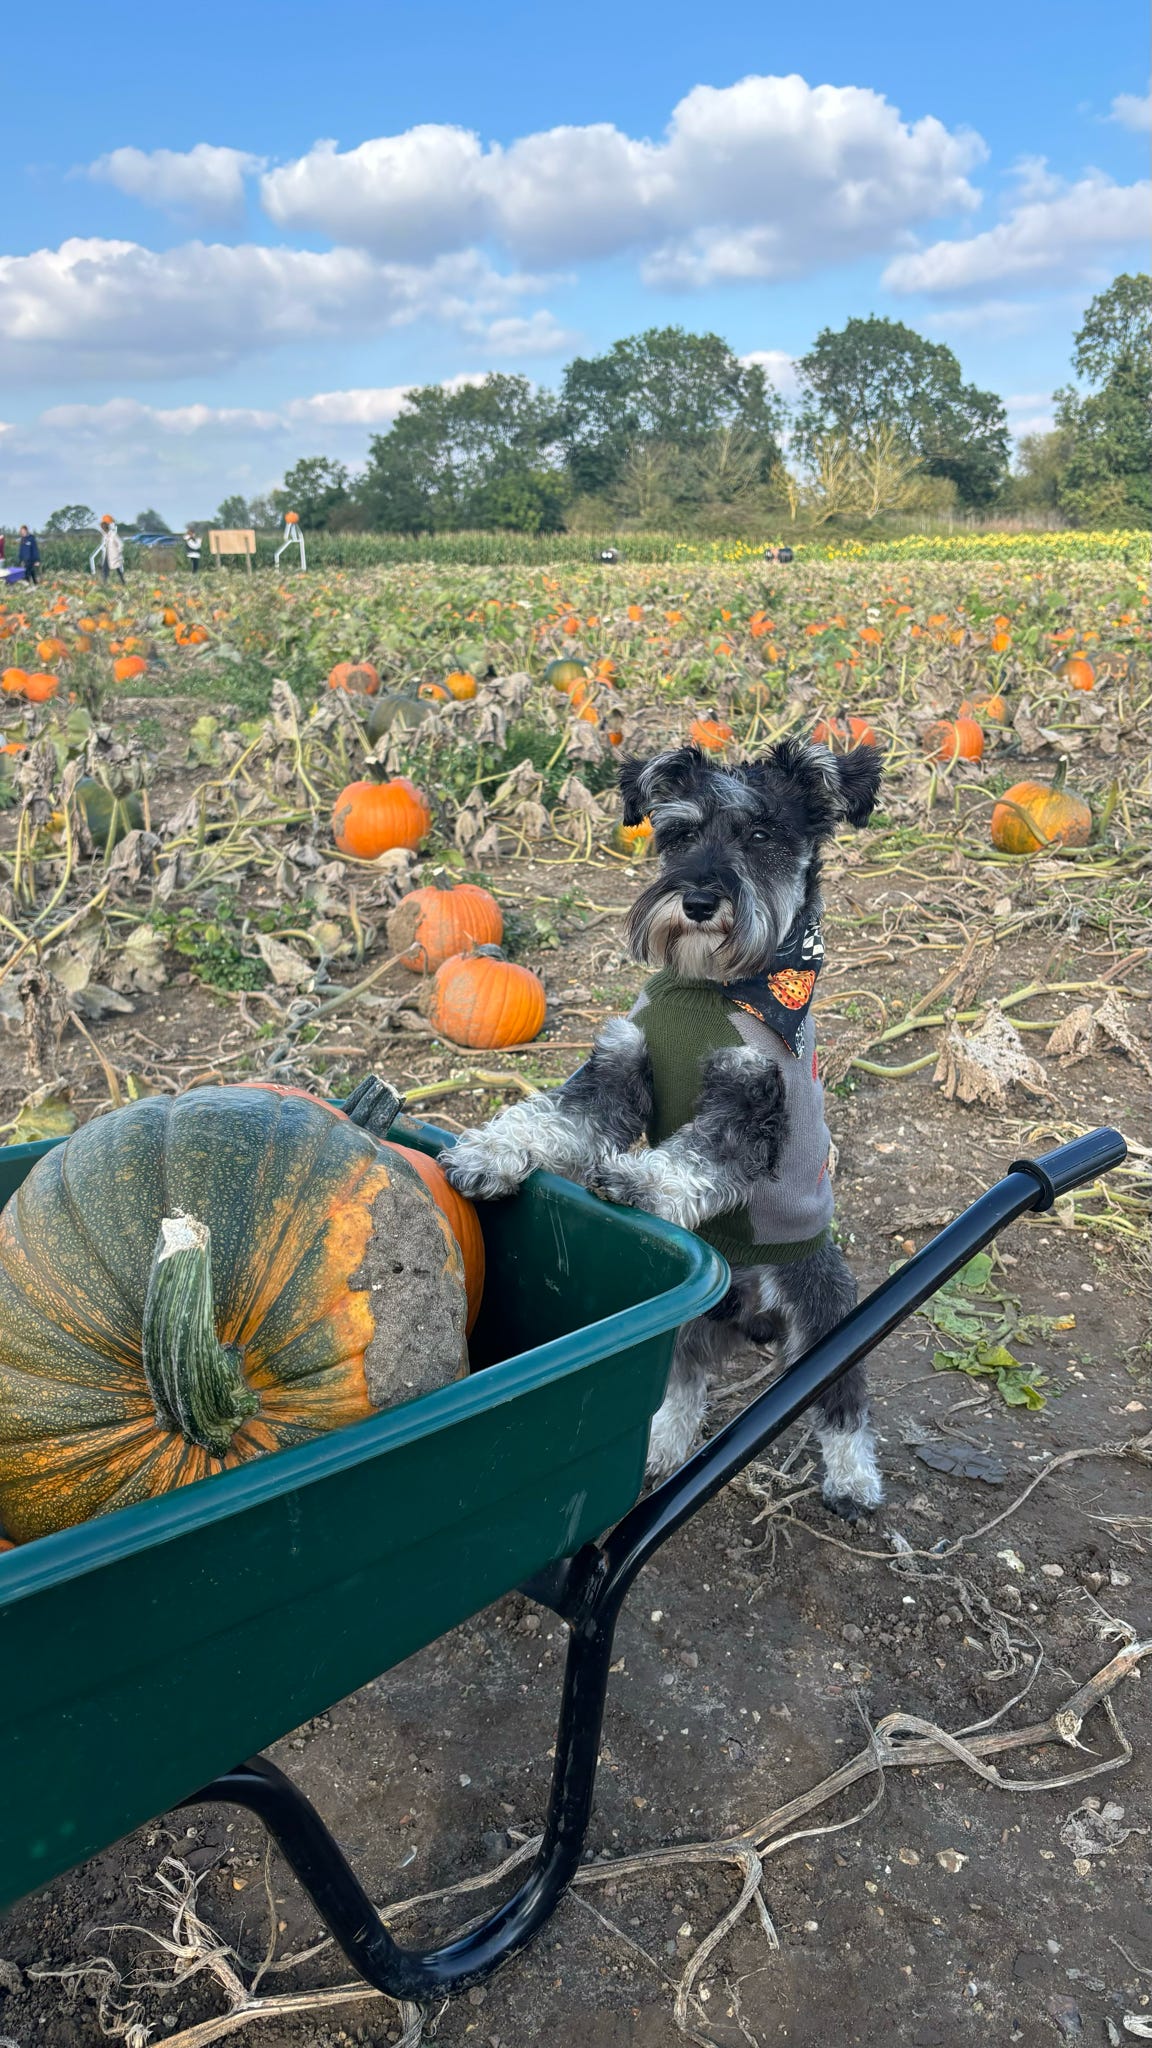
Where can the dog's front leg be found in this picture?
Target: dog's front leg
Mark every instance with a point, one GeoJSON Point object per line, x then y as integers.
{"type": "Point", "coordinates": [712, 1164]}
{"type": "Point", "coordinates": [600, 1111]}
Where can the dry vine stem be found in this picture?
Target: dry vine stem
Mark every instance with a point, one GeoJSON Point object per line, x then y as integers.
{"type": "Point", "coordinates": [897, 1741]}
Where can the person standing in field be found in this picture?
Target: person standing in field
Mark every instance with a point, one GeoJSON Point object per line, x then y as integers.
{"type": "Point", "coordinates": [192, 549]}
{"type": "Point", "coordinates": [29, 554]}
{"type": "Point", "coordinates": [113, 548]}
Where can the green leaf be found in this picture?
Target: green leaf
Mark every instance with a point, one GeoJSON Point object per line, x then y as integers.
{"type": "Point", "coordinates": [43, 1114]}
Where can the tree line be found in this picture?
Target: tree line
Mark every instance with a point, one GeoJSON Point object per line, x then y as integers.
{"type": "Point", "coordinates": [670, 430]}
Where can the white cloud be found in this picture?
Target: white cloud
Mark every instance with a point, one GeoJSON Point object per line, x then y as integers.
{"type": "Point", "coordinates": [186, 458]}
{"type": "Point", "coordinates": [1133, 110]}
{"type": "Point", "coordinates": [534, 334]}
{"type": "Point", "coordinates": [1029, 412]}
{"type": "Point", "coordinates": [779, 368]}
{"type": "Point", "coordinates": [768, 177]}
{"type": "Point", "coordinates": [107, 308]}
{"type": "Point", "coordinates": [1065, 236]}
{"type": "Point", "coordinates": [206, 181]}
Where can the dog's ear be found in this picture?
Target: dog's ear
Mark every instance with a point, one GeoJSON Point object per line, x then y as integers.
{"type": "Point", "coordinates": [836, 786]}
{"type": "Point", "coordinates": [858, 777]}
{"type": "Point", "coordinates": [628, 775]}
{"type": "Point", "coordinates": [644, 783]}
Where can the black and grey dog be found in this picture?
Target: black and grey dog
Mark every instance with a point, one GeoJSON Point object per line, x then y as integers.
{"type": "Point", "coordinates": [716, 1069]}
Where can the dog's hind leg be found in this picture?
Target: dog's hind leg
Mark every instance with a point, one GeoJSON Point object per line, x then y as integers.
{"type": "Point", "coordinates": [701, 1348]}
{"type": "Point", "coordinates": [798, 1305]}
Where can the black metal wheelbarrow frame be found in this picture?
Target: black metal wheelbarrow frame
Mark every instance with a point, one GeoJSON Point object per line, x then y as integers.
{"type": "Point", "coordinates": [588, 1590]}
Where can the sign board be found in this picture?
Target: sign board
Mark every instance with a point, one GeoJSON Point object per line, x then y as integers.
{"type": "Point", "coordinates": [233, 540]}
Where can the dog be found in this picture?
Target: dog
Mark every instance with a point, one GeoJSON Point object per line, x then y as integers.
{"type": "Point", "coordinates": [716, 1068]}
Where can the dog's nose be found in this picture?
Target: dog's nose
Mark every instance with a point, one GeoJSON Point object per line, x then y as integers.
{"type": "Point", "coordinates": [700, 904]}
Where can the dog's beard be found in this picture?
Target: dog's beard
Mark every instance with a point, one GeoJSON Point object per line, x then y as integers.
{"type": "Point", "coordinates": [738, 940]}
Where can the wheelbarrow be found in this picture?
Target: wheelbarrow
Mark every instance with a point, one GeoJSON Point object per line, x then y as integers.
{"type": "Point", "coordinates": [145, 1651]}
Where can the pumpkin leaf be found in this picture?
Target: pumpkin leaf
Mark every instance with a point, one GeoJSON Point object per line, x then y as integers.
{"type": "Point", "coordinates": [1018, 1385]}
{"type": "Point", "coordinates": [46, 1113]}
{"type": "Point", "coordinates": [288, 968]}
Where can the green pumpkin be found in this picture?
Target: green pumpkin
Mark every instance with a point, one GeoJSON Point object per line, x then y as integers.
{"type": "Point", "coordinates": [109, 818]}
{"type": "Point", "coordinates": [561, 673]}
{"type": "Point", "coordinates": [380, 714]}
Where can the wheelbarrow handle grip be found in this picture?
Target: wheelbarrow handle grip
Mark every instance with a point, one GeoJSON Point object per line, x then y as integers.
{"type": "Point", "coordinates": [1070, 1165]}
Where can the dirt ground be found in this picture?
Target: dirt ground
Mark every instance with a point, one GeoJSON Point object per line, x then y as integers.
{"type": "Point", "coordinates": [765, 1642]}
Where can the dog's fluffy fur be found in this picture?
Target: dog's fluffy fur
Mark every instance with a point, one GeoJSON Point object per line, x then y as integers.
{"type": "Point", "coordinates": [739, 850]}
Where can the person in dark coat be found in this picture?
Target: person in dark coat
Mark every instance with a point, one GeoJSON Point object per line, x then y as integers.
{"type": "Point", "coordinates": [29, 554]}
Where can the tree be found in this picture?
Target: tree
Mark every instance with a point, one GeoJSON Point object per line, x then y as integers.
{"type": "Point", "coordinates": [1106, 477]}
{"type": "Point", "coordinates": [877, 374]}
{"type": "Point", "coordinates": [1117, 328]}
{"type": "Point", "coordinates": [1041, 460]}
{"type": "Point", "coordinates": [316, 488]}
{"type": "Point", "coordinates": [482, 454]}
{"type": "Point", "coordinates": [151, 521]}
{"type": "Point", "coordinates": [663, 387]}
{"type": "Point", "coordinates": [232, 513]}
{"type": "Point", "coordinates": [71, 519]}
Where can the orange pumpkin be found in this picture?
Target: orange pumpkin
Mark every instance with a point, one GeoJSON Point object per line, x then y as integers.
{"type": "Point", "coordinates": [51, 649]}
{"type": "Point", "coordinates": [460, 684]}
{"type": "Point", "coordinates": [354, 675]}
{"type": "Point", "coordinates": [994, 708]}
{"type": "Point", "coordinates": [482, 1000]}
{"type": "Point", "coordinates": [710, 733]}
{"type": "Point", "coordinates": [953, 739]}
{"type": "Point", "coordinates": [461, 1219]}
{"type": "Point", "coordinates": [1078, 671]}
{"type": "Point", "coordinates": [842, 734]}
{"type": "Point", "coordinates": [633, 840]}
{"type": "Point", "coordinates": [13, 681]}
{"type": "Point", "coordinates": [127, 666]}
{"type": "Point", "coordinates": [1035, 814]}
{"type": "Point", "coordinates": [429, 925]}
{"type": "Point", "coordinates": [370, 818]}
{"type": "Point", "coordinates": [39, 688]}
{"type": "Point", "coordinates": [170, 617]}
{"type": "Point", "coordinates": [161, 1326]}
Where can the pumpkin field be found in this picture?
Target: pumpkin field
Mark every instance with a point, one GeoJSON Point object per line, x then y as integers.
{"type": "Point", "coordinates": [364, 821]}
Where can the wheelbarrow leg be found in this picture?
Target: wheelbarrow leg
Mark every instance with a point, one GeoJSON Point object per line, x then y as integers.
{"type": "Point", "coordinates": [343, 1905]}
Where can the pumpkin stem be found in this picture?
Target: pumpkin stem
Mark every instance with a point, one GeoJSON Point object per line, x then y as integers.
{"type": "Point", "coordinates": [374, 1106]}
{"type": "Point", "coordinates": [195, 1381]}
{"type": "Point", "coordinates": [1061, 772]}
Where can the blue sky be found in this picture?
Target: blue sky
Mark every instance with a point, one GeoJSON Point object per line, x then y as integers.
{"type": "Point", "coordinates": [236, 236]}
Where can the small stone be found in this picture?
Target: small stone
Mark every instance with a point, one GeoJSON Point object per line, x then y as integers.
{"type": "Point", "coordinates": [909, 1856]}
{"type": "Point", "coordinates": [851, 1634]}
{"type": "Point", "coordinates": [951, 1860]}
{"type": "Point", "coordinates": [1052, 1571]}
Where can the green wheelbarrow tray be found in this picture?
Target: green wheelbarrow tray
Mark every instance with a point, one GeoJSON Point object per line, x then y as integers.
{"type": "Point", "coordinates": [146, 1651]}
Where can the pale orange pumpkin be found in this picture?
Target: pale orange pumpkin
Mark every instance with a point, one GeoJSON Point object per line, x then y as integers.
{"type": "Point", "coordinates": [842, 734]}
{"type": "Point", "coordinates": [127, 666]}
{"type": "Point", "coordinates": [461, 684]}
{"type": "Point", "coordinates": [480, 999]}
{"type": "Point", "coordinates": [39, 688]}
{"type": "Point", "coordinates": [429, 925]}
{"type": "Point", "coordinates": [370, 818]}
{"type": "Point", "coordinates": [354, 675]}
{"type": "Point", "coordinates": [1078, 671]}
{"type": "Point", "coordinates": [953, 739]}
{"type": "Point", "coordinates": [994, 708]}
{"type": "Point", "coordinates": [1035, 814]}
{"type": "Point", "coordinates": [710, 733]}
{"type": "Point", "coordinates": [51, 649]}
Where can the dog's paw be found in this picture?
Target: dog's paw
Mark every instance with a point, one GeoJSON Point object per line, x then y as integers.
{"type": "Point", "coordinates": [625, 1181]}
{"type": "Point", "coordinates": [482, 1172]}
{"type": "Point", "coordinates": [847, 1507]}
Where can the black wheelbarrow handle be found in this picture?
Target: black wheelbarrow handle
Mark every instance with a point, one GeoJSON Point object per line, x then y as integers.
{"type": "Point", "coordinates": [588, 1591]}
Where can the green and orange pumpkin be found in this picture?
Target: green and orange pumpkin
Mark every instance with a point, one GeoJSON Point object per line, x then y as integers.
{"type": "Point", "coordinates": [190, 1283]}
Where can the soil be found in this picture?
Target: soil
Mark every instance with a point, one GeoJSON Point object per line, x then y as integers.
{"type": "Point", "coordinates": [754, 1654]}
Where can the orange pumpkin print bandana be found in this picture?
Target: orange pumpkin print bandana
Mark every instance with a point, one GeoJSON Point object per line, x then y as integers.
{"type": "Point", "coordinates": [782, 997]}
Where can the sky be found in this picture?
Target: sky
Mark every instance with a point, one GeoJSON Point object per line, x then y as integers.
{"type": "Point", "coordinates": [245, 232]}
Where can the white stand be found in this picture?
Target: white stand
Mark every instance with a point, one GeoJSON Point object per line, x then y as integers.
{"type": "Point", "coordinates": [293, 537]}
{"type": "Point", "coordinates": [93, 559]}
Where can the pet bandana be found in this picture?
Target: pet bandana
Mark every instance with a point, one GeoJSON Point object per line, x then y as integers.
{"type": "Point", "coordinates": [782, 997]}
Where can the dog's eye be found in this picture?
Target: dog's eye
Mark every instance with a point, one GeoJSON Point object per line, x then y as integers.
{"type": "Point", "coordinates": [759, 838]}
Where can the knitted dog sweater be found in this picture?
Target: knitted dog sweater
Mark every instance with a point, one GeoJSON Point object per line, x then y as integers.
{"type": "Point", "coordinates": [788, 1216]}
